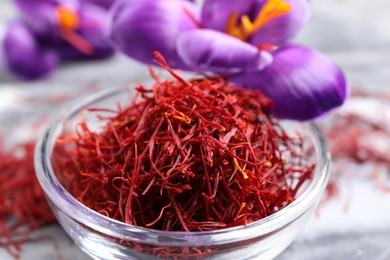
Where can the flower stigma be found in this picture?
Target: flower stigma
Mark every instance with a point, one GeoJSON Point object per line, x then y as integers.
{"type": "Point", "coordinates": [243, 28]}
{"type": "Point", "coordinates": [68, 21]}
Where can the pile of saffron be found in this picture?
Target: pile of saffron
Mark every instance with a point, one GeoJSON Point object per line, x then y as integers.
{"type": "Point", "coordinates": [195, 155]}
{"type": "Point", "coordinates": [23, 206]}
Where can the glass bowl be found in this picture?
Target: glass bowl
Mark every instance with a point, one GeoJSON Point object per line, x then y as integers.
{"type": "Point", "coordinates": [105, 238]}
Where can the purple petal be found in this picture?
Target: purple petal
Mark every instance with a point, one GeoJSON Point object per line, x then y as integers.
{"type": "Point", "coordinates": [102, 3]}
{"type": "Point", "coordinates": [138, 28]}
{"type": "Point", "coordinates": [216, 13]}
{"type": "Point", "coordinates": [92, 29]}
{"type": "Point", "coordinates": [24, 56]}
{"type": "Point", "coordinates": [303, 83]}
{"type": "Point", "coordinates": [282, 29]}
{"type": "Point", "coordinates": [36, 7]}
{"type": "Point", "coordinates": [218, 52]}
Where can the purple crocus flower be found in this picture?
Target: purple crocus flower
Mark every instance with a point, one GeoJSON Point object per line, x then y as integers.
{"type": "Point", "coordinates": [50, 31]}
{"type": "Point", "coordinates": [24, 56]}
{"type": "Point", "coordinates": [246, 41]}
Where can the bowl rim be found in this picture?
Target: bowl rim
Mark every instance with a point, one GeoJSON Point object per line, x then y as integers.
{"type": "Point", "coordinates": [74, 209]}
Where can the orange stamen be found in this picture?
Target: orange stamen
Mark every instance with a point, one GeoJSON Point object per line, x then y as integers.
{"type": "Point", "coordinates": [67, 18]}
{"type": "Point", "coordinates": [244, 28]}
{"type": "Point", "coordinates": [159, 216]}
{"type": "Point", "coordinates": [244, 175]}
{"type": "Point", "coordinates": [243, 205]}
{"type": "Point", "coordinates": [183, 117]}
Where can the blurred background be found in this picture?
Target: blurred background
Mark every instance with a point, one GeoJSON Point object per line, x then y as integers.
{"type": "Point", "coordinates": [354, 33]}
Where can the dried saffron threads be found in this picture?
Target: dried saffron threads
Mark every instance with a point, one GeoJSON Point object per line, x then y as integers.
{"type": "Point", "coordinates": [192, 155]}
{"type": "Point", "coordinates": [23, 206]}
{"type": "Point", "coordinates": [359, 134]}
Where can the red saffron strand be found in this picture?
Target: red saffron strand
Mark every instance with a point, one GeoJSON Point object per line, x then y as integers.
{"type": "Point", "coordinates": [23, 207]}
{"type": "Point", "coordinates": [353, 139]}
{"type": "Point", "coordinates": [185, 162]}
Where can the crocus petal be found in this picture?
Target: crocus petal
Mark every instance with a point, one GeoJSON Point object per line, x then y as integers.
{"type": "Point", "coordinates": [92, 29]}
{"type": "Point", "coordinates": [138, 28]}
{"type": "Point", "coordinates": [24, 56]}
{"type": "Point", "coordinates": [31, 6]}
{"type": "Point", "coordinates": [37, 7]}
{"type": "Point", "coordinates": [216, 13]}
{"type": "Point", "coordinates": [303, 83]}
{"type": "Point", "coordinates": [218, 52]}
{"type": "Point", "coordinates": [282, 29]}
{"type": "Point", "coordinates": [102, 3]}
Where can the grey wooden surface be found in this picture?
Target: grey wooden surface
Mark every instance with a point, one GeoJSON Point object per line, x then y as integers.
{"type": "Point", "coordinates": [355, 34]}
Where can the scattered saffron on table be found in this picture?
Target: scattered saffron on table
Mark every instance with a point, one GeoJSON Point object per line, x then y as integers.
{"type": "Point", "coordinates": [195, 155]}
{"type": "Point", "coordinates": [23, 206]}
{"type": "Point", "coordinates": [359, 134]}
